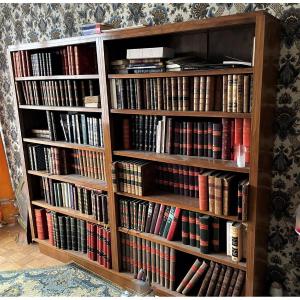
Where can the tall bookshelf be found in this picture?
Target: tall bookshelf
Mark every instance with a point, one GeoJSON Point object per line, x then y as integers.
{"type": "Point", "coordinates": [211, 38]}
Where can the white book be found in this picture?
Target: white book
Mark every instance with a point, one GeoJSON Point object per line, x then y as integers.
{"type": "Point", "coordinates": [158, 137]}
{"type": "Point", "coordinates": [163, 134]}
{"type": "Point", "coordinates": [113, 93]}
{"type": "Point", "coordinates": [228, 238]}
{"type": "Point", "coordinates": [143, 53]}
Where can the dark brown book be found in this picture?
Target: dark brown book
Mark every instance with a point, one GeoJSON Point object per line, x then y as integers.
{"type": "Point", "coordinates": [226, 281]}
{"type": "Point", "coordinates": [238, 287]}
{"type": "Point", "coordinates": [206, 280]}
{"type": "Point", "coordinates": [232, 282]}
{"type": "Point", "coordinates": [220, 280]}
{"type": "Point", "coordinates": [213, 280]}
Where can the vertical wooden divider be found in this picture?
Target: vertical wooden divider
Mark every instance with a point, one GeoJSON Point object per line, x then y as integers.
{"type": "Point", "coordinates": [264, 97]}
{"type": "Point", "coordinates": [25, 163]}
{"type": "Point", "coordinates": [107, 126]}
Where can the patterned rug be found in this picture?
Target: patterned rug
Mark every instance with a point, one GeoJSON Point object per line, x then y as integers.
{"type": "Point", "coordinates": [66, 280]}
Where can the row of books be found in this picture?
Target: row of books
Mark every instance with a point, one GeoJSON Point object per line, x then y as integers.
{"type": "Point", "coordinates": [58, 92]}
{"type": "Point", "coordinates": [68, 195]}
{"type": "Point", "coordinates": [133, 176]}
{"type": "Point", "coordinates": [59, 161]}
{"type": "Point", "coordinates": [209, 234]}
{"type": "Point", "coordinates": [148, 260]}
{"type": "Point", "coordinates": [149, 217]}
{"type": "Point", "coordinates": [41, 133]}
{"type": "Point", "coordinates": [67, 60]}
{"type": "Point", "coordinates": [75, 128]}
{"type": "Point", "coordinates": [212, 279]}
{"type": "Point", "coordinates": [51, 159]}
{"type": "Point", "coordinates": [69, 233]}
{"type": "Point", "coordinates": [90, 164]}
{"type": "Point", "coordinates": [219, 139]}
{"type": "Point", "coordinates": [224, 193]}
{"type": "Point", "coordinates": [227, 93]}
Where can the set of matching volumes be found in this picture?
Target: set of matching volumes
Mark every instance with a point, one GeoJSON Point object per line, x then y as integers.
{"type": "Point", "coordinates": [99, 244]}
{"type": "Point", "coordinates": [133, 176]}
{"type": "Point", "coordinates": [212, 279]}
{"type": "Point", "coordinates": [68, 195]}
{"type": "Point", "coordinates": [148, 260]}
{"type": "Point", "coordinates": [51, 159]}
{"type": "Point", "coordinates": [56, 92]}
{"type": "Point", "coordinates": [224, 193]}
{"type": "Point", "coordinates": [149, 217]}
{"type": "Point", "coordinates": [69, 233]}
{"type": "Point", "coordinates": [227, 93]}
{"type": "Point", "coordinates": [78, 128]}
{"type": "Point", "coordinates": [218, 140]}
{"type": "Point", "coordinates": [89, 163]}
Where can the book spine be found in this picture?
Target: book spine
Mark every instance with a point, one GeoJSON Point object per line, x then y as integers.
{"type": "Point", "coordinates": [204, 234]}
{"type": "Point", "coordinates": [206, 280]}
{"type": "Point", "coordinates": [173, 225]}
{"type": "Point", "coordinates": [185, 227]}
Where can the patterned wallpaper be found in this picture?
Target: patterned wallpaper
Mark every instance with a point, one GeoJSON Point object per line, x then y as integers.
{"type": "Point", "coordinates": [35, 22]}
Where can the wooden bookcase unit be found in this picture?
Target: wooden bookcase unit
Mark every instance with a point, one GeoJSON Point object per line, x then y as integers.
{"type": "Point", "coordinates": [211, 38]}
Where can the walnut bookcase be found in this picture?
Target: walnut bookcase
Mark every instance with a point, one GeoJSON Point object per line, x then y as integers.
{"type": "Point", "coordinates": [229, 35]}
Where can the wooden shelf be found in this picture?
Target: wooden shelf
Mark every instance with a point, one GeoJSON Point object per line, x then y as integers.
{"type": "Point", "coordinates": [193, 161]}
{"type": "Point", "coordinates": [183, 202]}
{"type": "Point", "coordinates": [205, 114]}
{"type": "Point", "coordinates": [68, 211]}
{"type": "Point", "coordinates": [185, 73]}
{"type": "Point", "coordinates": [76, 179]}
{"type": "Point", "coordinates": [58, 77]}
{"type": "Point", "coordinates": [63, 144]}
{"type": "Point", "coordinates": [62, 108]}
{"type": "Point", "coordinates": [216, 257]}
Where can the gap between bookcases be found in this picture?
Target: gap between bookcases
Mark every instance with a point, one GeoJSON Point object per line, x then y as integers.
{"type": "Point", "coordinates": [193, 161]}
{"type": "Point", "coordinates": [180, 201]}
{"type": "Point", "coordinates": [216, 257]}
{"type": "Point", "coordinates": [68, 211]}
{"type": "Point", "coordinates": [76, 179]}
{"type": "Point", "coordinates": [63, 144]}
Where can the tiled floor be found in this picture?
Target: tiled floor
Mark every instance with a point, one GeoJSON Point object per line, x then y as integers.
{"type": "Point", "coordinates": [15, 254]}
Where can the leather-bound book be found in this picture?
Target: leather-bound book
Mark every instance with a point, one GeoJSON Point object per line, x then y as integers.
{"type": "Point", "coordinates": [247, 138]}
{"type": "Point", "coordinates": [203, 190]}
{"type": "Point", "coordinates": [154, 217]}
{"type": "Point", "coordinates": [196, 265]}
{"type": "Point", "coordinates": [50, 227]}
{"type": "Point", "coordinates": [41, 223]}
{"type": "Point", "coordinates": [220, 281]}
{"type": "Point", "coordinates": [238, 287]}
{"type": "Point", "coordinates": [215, 224]}
{"type": "Point", "coordinates": [232, 282]}
{"type": "Point", "coordinates": [204, 233]}
{"type": "Point", "coordinates": [213, 280]}
{"type": "Point", "coordinates": [209, 139]}
{"type": "Point", "coordinates": [226, 129]}
{"type": "Point", "coordinates": [206, 280]}
{"type": "Point", "coordinates": [185, 227]}
{"type": "Point", "coordinates": [217, 141]}
{"type": "Point", "coordinates": [192, 228]}
{"type": "Point", "coordinates": [172, 269]}
{"type": "Point", "coordinates": [237, 241]}
{"type": "Point", "coordinates": [238, 135]}
{"type": "Point", "coordinates": [174, 224]}
{"type": "Point", "coordinates": [198, 230]}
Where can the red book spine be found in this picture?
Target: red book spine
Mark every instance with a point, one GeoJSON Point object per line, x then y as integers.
{"type": "Point", "coordinates": [93, 241]}
{"type": "Point", "coordinates": [108, 252]}
{"type": "Point", "coordinates": [203, 192]}
{"type": "Point", "coordinates": [159, 219]}
{"type": "Point", "coordinates": [173, 224]}
{"type": "Point", "coordinates": [238, 135]}
{"type": "Point", "coordinates": [232, 132]}
{"type": "Point", "coordinates": [41, 223]}
{"type": "Point", "coordinates": [50, 228]}
{"type": "Point", "coordinates": [101, 246]}
{"type": "Point", "coordinates": [247, 138]}
{"type": "Point", "coordinates": [226, 132]}
{"type": "Point", "coordinates": [88, 239]}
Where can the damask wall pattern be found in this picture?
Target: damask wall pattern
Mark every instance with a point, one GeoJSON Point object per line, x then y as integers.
{"type": "Point", "coordinates": [22, 23]}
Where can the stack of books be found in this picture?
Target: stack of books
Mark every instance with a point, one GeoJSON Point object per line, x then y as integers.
{"type": "Point", "coordinates": [145, 259]}
{"type": "Point", "coordinates": [95, 28]}
{"type": "Point", "coordinates": [213, 279]}
{"type": "Point", "coordinates": [92, 101]}
{"type": "Point", "coordinates": [40, 133]}
{"type": "Point", "coordinates": [119, 66]}
{"type": "Point", "coordinates": [227, 93]}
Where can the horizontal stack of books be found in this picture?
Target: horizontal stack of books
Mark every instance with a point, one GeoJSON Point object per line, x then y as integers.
{"type": "Point", "coordinates": [95, 28]}
{"type": "Point", "coordinates": [41, 133]}
{"type": "Point", "coordinates": [133, 176]}
{"type": "Point", "coordinates": [68, 195]}
{"type": "Point", "coordinates": [92, 101]}
{"type": "Point", "coordinates": [224, 193]}
{"type": "Point", "coordinates": [56, 92]}
{"type": "Point", "coordinates": [217, 139]}
{"type": "Point", "coordinates": [89, 163]}
{"type": "Point", "coordinates": [148, 260]}
{"type": "Point", "coordinates": [69, 233]}
{"type": "Point", "coordinates": [227, 93]}
{"type": "Point", "coordinates": [213, 279]}
{"type": "Point", "coordinates": [149, 217]}
{"type": "Point", "coordinates": [77, 128]}
{"type": "Point", "coordinates": [119, 66]}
